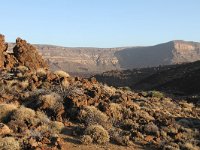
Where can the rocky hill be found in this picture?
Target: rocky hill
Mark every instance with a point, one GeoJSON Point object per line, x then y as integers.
{"type": "Point", "coordinates": [178, 79]}
{"type": "Point", "coordinates": [45, 110]}
{"type": "Point", "coordinates": [98, 60]}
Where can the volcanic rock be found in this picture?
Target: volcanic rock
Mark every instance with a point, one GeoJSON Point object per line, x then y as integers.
{"type": "Point", "coordinates": [28, 55]}
{"type": "Point", "coordinates": [3, 48]}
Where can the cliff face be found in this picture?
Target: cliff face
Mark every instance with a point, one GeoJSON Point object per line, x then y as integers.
{"type": "Point", "coordinates": [98, 60]}
{"type": "Point", "coordinates": [185, 52]}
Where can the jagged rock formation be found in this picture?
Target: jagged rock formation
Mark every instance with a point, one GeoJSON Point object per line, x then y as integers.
{"type": "Point", "coordinates": [23, 54]}
{"type": "Point", "coordinates": [27, 55]}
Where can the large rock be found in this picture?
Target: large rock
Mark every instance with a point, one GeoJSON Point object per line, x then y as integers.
{"type": "Point", "coordinates": [28, 55]}
{"type": "Point", "coordinates": [3, 48]}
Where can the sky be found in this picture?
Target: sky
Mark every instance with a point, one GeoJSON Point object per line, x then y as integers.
{"type": "Point", "coordinates": [100, 23]}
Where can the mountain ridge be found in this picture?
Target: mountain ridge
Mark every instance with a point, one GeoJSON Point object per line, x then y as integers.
{"type": "Point", "coordinates": [90, 60]}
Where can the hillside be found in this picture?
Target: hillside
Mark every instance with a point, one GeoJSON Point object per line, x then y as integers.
{"type": "Point", "coordinates": [182, 78]}
{"type": "Point", "coordinates": [98, 60]}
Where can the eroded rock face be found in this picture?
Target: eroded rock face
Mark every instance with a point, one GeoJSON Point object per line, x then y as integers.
{"type": "Point", "coordinates": [28, 55]}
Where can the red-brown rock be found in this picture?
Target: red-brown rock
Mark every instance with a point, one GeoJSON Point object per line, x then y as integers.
{"type": "Point", "coordinates": [28, 55]}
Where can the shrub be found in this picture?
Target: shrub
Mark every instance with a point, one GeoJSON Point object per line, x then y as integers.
{"type": "Point", "coordinates": [22, 68]}
{"type": "Point", "coordinates": [9, 143]}
{"type": "Point", "coordinates": [53, 127]}
{"type": "Point", "coordinates": [190, 146]}
{"type": "Point", "coordinates": [41, 72]}
{"type": "Point", "coordinates": [120, 137]}
{"type": "Point", "coordinates": [61, 74]}
{"type": "Point", "coordinates": [109, 89]}
{"type": "Point", "coordinates": [156, 94]}
{"type": "Point", "coordinates": [86, 139]}
{"type": "Point", "coordinates": [24, 114]}
{"type": "Point", "coordinates": [91, 115]}
{"type": "Point", "coordinates": [5, 111]}
{"type": "Point", "coordinates": [98, 134]}
{"type": "Point", "coordinates": [24, 84]}
{"type": "Point", "coordinates": [115, 111]}
{"type": "Point", "coordinates": [50, 100]}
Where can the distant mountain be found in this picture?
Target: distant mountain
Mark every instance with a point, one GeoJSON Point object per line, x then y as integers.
{"type": "Point", "coordinates": [97, 60]}
{"type": "Point", "coordinates": [181, 79]}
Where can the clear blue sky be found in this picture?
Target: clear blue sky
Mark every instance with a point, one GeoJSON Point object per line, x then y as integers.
{"type": "Point", "coordinates": [100, 23]}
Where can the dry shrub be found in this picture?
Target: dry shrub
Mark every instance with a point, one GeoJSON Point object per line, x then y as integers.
{"type": "Point", "coordinates": [5, 111]}
{"type": "Point", "coordinates": [65, 83]}
{"type": "Point", "coordinates": [22, 68]}
{"type": "Point", "coordinates": [86, 139]}
{"type": "Point", "coordinates": [151, 128]}
{"type": "Point", "coordinates": [53, 127]}
{"type": "Point", "coordinates": [157, 94]}
{"type": "Point", "coordinates": [24, 114]}
{"type": "Point", "coordinates": [23, 84]}
{"type": "Point", "coordinates": [98, 134]}
{"type": "Point", "coordinates": [190, 146]}
{"type": "Point", "coordinates": [61, 74]}
{"type": "Point", "coordinates": [41, 72]}
{"type": "Point", "coordinates": [120, 137]}
{"type": "Point", "coordinates": [42, 117]}
{"type": "Point", "coordinates": [50, 100]}
{"type": "Point", "coordinates": [115, 111]}
{"type": "Point", "coordinates": [110, 90]}
{"type": "Point", "coordinates": [9, 143]}
{"type": "Point", "coordinates": [91, 115]}
{"type": "Point", "coordinates": [171, 146]}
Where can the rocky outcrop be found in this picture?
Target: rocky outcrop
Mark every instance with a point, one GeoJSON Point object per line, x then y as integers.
{"type": "Point", "coordinates": [28, 55]}
{"type": "Point", "coordinates": [3, 48]}
{"type": "Point", "coordinates": [23, 54]}
{"type": "Point", "coordinates": [7, 60]}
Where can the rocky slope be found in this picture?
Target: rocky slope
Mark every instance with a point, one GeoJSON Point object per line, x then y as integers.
{"type": "Point", "coordinates": [41, 109]}
{"type": "Point", "coordinates": [98, 60]}
{"type": "Point", "coordinates": [178, 79]}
